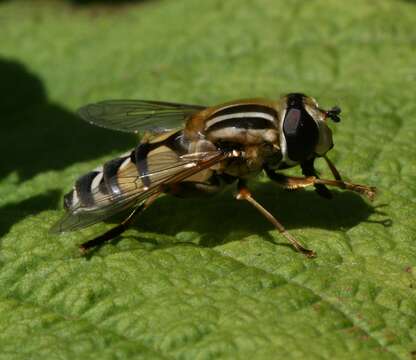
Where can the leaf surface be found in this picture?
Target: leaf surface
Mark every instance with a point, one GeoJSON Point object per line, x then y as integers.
{"type": "Point", "coordinates": [209, 279]}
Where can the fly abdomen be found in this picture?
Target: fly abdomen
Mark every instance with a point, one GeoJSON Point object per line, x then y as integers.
{"type": "Point", "coordinates": [140, 156]}
{"type": "Point", "coordinates": [96, 188]}
{"type": "Point", "coordinates": [123, 176]}
{"type": "Point", "coordinates": [84, 185]}
{"type": "Point", "coordinates": [110, 174]}
{"type": "Point", "coordinates": [85, 191]}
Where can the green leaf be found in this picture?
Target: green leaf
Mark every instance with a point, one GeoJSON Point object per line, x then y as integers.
{"type": "Point", "coordinates": [208, 279]}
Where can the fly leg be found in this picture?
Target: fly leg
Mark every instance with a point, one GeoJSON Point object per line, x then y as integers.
{"type": "Point", "coordinates": [119, 229]}
{"type": "Point", "coordinates": [334, 170]}
{"type": "Point", "coordinates": [295, 182]}
{"type": "Point", "coordinates": [244, 194]}
{"type": "Point", "coordinates": [308, 169]}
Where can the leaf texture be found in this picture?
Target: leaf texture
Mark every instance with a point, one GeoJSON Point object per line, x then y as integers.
{"type": "Point", "coordinates": [208, 279]}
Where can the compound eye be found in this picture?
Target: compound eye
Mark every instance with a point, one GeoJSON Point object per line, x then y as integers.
{"type": "Point", "coordinates": [292, 122]}
{"type": "Point", "coordinates": [301, 133]}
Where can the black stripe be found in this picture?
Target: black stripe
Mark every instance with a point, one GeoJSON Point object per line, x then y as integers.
{"type": "Point", "coordinates": [140, 156]}
{"type": "Point", "coordinates": [233, 109]}
{"type": "Point", "coordinates": [102, 187]}
{"type": "Point", "coordinates": [110, 175]}
{"type": "Point", "coordinates": [243, 123]}
{"type": "Point", "coordinates": [83, 188]}
{"type": "Point", "coordinates": [177, 143]}
{"type": "Point", "coordinates": [133, 156]}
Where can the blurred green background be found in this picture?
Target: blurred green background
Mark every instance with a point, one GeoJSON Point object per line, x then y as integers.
{"type": "Point", "coordinates": [208, 279]}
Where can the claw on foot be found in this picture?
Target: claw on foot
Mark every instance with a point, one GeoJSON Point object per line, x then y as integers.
{"type": "Point", "coordinates": [369, 191]}
{"type": "Point", "coordinates": [310, 254]}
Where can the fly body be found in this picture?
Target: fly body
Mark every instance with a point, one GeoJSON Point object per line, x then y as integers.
{"type": "Point", "coordinates": [191, 150]}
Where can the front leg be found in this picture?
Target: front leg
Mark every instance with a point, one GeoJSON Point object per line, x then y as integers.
{"type": "Point", "coordinates": [334, 170]}
{"type": "Point", "coordinates": [308, 169]}
{"type": "Point", "coordinates": [295, 182]}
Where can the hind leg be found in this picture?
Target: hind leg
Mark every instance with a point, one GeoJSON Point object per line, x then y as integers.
{"type": "Point", "coordinates": [119, 229]}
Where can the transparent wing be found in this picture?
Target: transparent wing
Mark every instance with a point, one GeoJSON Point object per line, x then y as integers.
{"type": "Point", "coordinates": [137, 115]}
{"type": "Point", "coordinates": [134, 191]}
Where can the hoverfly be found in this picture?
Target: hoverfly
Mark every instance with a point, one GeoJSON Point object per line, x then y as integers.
{"type": "Point", "coordinates": [189, 150]}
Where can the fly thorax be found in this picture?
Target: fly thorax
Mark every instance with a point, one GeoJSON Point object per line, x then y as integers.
{"type": "Point", "coordinates": [249, 165]}
{"type": "Point", "coordinates": [242, 168]}
{"type": "Point", "coordinates": [254, 156]}
{"type": "Point", "coordinates": [273, 156]}
{"type": "Point", "coordinates": [242, 124]}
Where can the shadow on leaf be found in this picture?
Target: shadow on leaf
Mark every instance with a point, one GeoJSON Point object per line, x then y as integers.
{"type": "Point", "coordinates": [13, 213]}
{"type": "Point", "coordinates": [39, 135]}
{"type": "Point", "coordinates": [222, 218]}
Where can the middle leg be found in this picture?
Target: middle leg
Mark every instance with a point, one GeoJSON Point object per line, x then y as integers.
{"type": "Point", "coordinates": [244, 194]}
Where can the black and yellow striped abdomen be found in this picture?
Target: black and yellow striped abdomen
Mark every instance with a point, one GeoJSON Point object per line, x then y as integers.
{"type": "Point", "coordinates": [135, 170]}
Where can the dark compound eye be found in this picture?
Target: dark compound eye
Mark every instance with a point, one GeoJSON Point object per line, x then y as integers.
{"type": "Point", "coordinates": [292, 122]}
{"type": "Point", "coordinates": [301, 133]}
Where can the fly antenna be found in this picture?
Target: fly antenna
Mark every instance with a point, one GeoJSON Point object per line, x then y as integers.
{"type": "Point", "coordinates": [333, 113]}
